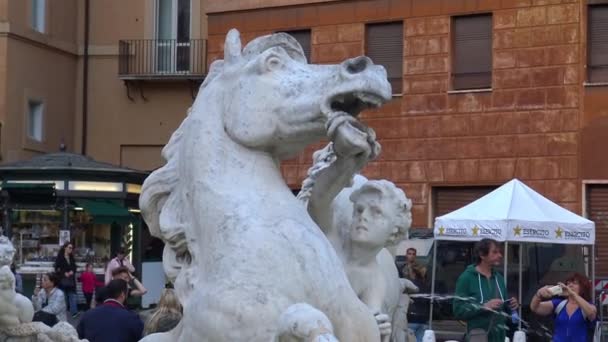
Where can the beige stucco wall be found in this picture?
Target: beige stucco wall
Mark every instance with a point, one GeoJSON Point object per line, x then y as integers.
{"type": "Point", "coordinates": [49, 66]}
{"type": "Point", "coordinates": [121, 131]}
{"type": "Point", "coordinates": [39, 66]}
{"type": "Point", "coordinates": [38, 73]}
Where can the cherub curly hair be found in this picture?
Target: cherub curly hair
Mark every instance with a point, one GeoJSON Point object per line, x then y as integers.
{"type": "Point", "coordinates": [391, 194]}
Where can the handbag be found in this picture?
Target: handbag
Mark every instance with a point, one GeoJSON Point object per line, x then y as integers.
{"type": "Point", "coordinates": [67, 283]}
{"type": "Point", "coordinates": [45, 317]}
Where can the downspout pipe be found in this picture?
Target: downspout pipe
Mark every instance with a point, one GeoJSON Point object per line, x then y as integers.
{"type": "Point", "coordinates": [85, 78]}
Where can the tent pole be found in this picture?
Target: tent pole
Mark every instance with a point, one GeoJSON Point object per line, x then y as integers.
{"type": "Point", "coordinates": [593, 272]}
{"type": "Point", "coordinates": [433, 284]}
{"type": "Point", "coordinates": [521, 256]}
{"type": "Point", "coordinates": [506, 263]}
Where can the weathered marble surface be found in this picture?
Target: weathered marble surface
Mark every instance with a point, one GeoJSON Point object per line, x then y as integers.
{"type": "Point", "coordinates": [361, 218]}
{"type": "Point", "coordinates": [244, 254]}
{"type": "Point", "coordinates": [17, 311]}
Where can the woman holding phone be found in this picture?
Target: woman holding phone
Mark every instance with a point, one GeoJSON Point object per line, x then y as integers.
{"type": "Point", "coordinates": [573, 312]}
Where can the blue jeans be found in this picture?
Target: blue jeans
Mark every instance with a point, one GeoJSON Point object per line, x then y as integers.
{"type": "Point", "coordinates": [418, 329]}
{"type": "Point", "coordinates": [70, 298]}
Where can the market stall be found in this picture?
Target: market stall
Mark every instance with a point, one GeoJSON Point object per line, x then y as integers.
{"type": "Point", "coordinates": [513, 213]}
{"type": "Point", "coordinates": [59, 197]}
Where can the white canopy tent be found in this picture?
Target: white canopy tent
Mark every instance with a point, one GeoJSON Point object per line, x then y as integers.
{"type": "Point", "coordinates": [513, 213]}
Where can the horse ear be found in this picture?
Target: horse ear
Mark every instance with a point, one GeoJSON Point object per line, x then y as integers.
{"type": "Point", "coordinates": [232, 46]}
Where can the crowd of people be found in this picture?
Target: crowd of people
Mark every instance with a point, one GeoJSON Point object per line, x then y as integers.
{"type": "Point", "coordinates": [107, 316]}
{"type": "Point", "coordinates": [480, 299]}
{"type": "Point", "coordinates": [482, 302]}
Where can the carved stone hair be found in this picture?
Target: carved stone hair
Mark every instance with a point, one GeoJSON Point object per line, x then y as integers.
{"type": "Point", "coordinates": [389, 193]}
{"type": "Point", "coordinates": [161, 199]}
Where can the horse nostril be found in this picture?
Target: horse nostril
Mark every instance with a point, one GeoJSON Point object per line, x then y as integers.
{"type": "Point", "coordinates": [357, 65]}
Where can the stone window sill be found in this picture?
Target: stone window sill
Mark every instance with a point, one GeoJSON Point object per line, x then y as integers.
{"type": "Point", "coordinates": [464, 91]}
{"type": "Point", "coordinates": [397, 95]}
{"type": "Point", "coordinates": [595, 84]}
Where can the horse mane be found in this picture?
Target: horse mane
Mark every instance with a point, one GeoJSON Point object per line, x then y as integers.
{"type": "Point", "coordinates": [161, 201]}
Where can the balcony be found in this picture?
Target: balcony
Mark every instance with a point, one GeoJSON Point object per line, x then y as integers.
{"type": "Point", "coordinates": [162, 59]}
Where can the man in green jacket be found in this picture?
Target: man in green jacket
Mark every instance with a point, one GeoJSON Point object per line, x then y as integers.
{"type": "Point", "coordinates": [480, 298]}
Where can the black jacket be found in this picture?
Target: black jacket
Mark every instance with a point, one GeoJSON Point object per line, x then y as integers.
{"type": "Point", "coordinates": [61, 267]}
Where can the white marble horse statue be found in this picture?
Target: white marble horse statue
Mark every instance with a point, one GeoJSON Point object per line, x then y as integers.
{"type": "Point", "coordinates": [247, 260]}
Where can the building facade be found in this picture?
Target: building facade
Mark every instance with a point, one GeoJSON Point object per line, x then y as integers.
{"type": "Point", "coordinates": [484, 91]}
{"type": "Point", "coordinates": [60, 76]}
{"type": "Point", "coordinates": [89, 88]}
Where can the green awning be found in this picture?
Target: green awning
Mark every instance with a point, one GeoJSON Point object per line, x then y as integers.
{"type": "Point", "coordinates": [105, 211]}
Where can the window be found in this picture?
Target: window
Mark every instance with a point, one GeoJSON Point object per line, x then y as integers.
{"type": "Point", "coordinates": [384, 45]}
{"type": "Point", "coordinates": [173, 35]}
{"type": "Point", "coordinates": [597, 63]}
{"type": "Point", "coordinates": [303, 37]}
{"type": "Point", "coordinates": [38, 15]}
{"type": "Point", "coordinates": [472, 52]}
{"type": "Point", "coordinates": [449, 198]}
{"type": "Point", "coordinates": [34, 120]}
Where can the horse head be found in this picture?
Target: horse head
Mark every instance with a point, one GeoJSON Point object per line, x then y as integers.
{"type": "Point", "coordinates": [272, 100]}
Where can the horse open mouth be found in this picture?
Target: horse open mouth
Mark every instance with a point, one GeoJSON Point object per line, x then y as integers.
{"type": "Point", "coordinates": [355, 102]}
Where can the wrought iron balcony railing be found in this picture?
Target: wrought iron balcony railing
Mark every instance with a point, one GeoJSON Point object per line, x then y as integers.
{"type": "Point", "coordinates": [151, 59]}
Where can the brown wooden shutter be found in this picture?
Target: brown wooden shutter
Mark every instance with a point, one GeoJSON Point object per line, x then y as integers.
{"type": "Point", "coordinates": [384, 45]}
{"type": "Point", "coordinates": [449, 198]}
{"type": "Point", "coordinates": [598, 43]}
{"type": "Point", "coordinates": [597, 211]}
{"type": "Point", "coordinates": [303, 37]}
{"type": "Point", "coordinates": [472, 57]}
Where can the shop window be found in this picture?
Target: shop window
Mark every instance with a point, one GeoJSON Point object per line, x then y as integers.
{"type": "Point", "coordinates": [597, 59]}
{"type": "Point", "coordinates": [472, 52]}
{"type": "Point", "coordinates": [35, 120]}
{"type": "Point", "coordinates": [384, 45]}
{"type": "Point", "coordinates": [38, 15]}
{"type": "Point", "coordinates": [303, 37]}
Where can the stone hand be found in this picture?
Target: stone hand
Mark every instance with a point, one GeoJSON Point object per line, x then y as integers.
{"type": "Point", "coordinates": [351, 138]}
{"type": "Point", "coordinates": [384, 324]}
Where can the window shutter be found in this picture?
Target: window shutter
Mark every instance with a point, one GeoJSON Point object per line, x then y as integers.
{"type": "Point", "coordinates": [472, 57]}
{"type": "Point", "coordinates": [450, 198]}
{"type": "Point", "coordinates": [597, 211]}
{"type": "Point", "coordinates": [384, 45]}
{"type": "Point", "coordinates": [598, 43]}
{"type": "Point", "coordinates": [303, 37]}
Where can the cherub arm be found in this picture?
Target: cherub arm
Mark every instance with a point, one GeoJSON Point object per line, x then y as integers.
{"type": "Point", "coordinates": [353, 146]}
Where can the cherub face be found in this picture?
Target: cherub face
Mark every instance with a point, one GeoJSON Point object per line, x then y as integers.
{"type": "Point", "coordinates": [7, 251]}
{"type": "Point", "coordinates": [372, 221]}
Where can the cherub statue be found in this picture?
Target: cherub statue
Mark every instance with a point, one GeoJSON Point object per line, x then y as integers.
{"type": "Point", "coordinates": [361, 218]}
{"type": "Point", "coordinates": [16, 313]}
{"type": "Point", "coordinates": [7, 251]}
{"type": "Point", "coordinates": [14, 307]}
